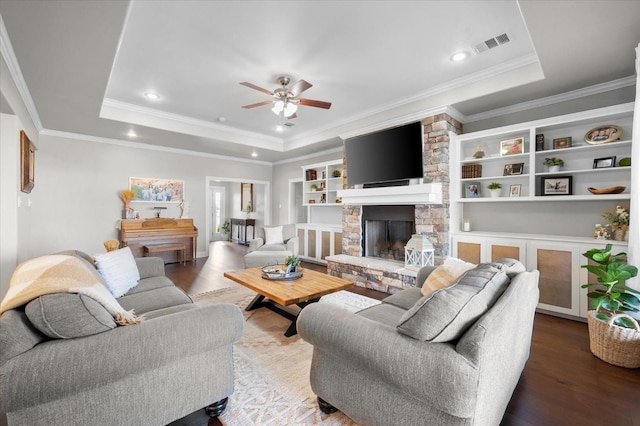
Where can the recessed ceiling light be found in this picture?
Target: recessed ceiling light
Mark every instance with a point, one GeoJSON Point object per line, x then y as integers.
{"type": "Point", "coordinates": [254, 154]}
{"type": "Point", "coordinates": [460, 56]}
{"type": "Point", "coordinates": [222, 119]}
{"type": "Point", "coordinates": [131, 134]}
{"type": "Point", "coordinates": [152, 96]}
{"type": "Point", "coordinates": [279, 128]}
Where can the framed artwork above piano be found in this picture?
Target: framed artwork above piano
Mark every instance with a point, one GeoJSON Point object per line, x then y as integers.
{"type": "Point", "coordinates": [136, 234]}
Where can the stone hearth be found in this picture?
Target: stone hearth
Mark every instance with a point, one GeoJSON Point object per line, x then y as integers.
{"type": "Point", "coordinates": [377, 274]}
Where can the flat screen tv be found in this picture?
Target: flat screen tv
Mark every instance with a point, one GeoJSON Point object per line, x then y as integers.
{"type": "Point", "coordinates": [387, 157]}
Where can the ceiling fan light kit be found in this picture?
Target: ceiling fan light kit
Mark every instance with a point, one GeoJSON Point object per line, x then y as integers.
{"type": "Point", "coordinates": [286, 100]}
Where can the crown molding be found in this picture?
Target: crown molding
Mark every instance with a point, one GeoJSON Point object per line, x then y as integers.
{"type": "Point", "coordinates": [550, 100]}
{"type": "Point", "coordinates": [149, 147]}
{"type": "Point", "coordinates": [309, 156]}
{"type": "Point", "coordinates": [9, 56]}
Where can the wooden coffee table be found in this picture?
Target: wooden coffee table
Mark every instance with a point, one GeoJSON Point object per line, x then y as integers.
{"type": "Point", "coordinates": [277, 295]}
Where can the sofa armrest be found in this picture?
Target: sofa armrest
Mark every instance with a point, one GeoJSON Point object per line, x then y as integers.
{"type": "Point", "coordinates": [150, 267]}
{"type": "Point", "coordinates": [433, 372]}
{"type": "Point", "coordinates": [255, 244]}
{"type": "Point", "coordinates": [117, 354]}
{"type": "Point", "coordinates": [293, 245]}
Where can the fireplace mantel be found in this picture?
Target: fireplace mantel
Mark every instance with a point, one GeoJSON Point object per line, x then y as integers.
{"type": "Point", "coordinates": [424, 193]}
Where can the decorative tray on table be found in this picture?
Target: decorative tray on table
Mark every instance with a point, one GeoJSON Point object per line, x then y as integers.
{"type": "Point", "coordinates": [279, 272]}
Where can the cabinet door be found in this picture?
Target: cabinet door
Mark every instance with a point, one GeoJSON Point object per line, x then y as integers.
{"type": "Point", "coordinates": [559, 266]}
{"type": "Point", "coordinates": [468, 248]}
{"type": "Point", "coordinates": [498, 248]}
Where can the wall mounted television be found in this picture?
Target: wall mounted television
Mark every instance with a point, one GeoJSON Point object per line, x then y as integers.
{"type": "Point", "coordinates": [388, 157]}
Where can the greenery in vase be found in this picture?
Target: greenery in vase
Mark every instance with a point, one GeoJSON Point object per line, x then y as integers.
{"type": "Point", "coordinates": [292, 262]}
{"type": "Point", "coordinates": [314, 186]}
{"type": "Point", "coordinates": [337, 173]}
{"type": "Point", "coordinates": [610, 296]}
{"type": "Point", "coordinates": [618, 217]}
{"type": "Point", "coordinates": [226, 226]}
{"type": "Point", "coordinates": [553, 161]}
{"type": "Point", "coordinates": [495, 185]}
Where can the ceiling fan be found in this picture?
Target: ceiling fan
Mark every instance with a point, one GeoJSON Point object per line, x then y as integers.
{"type": "Point", "coordinates": [286, 100]}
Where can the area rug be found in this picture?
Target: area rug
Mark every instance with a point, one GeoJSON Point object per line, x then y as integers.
{"type": "Point", "coordinates": [272, 371]}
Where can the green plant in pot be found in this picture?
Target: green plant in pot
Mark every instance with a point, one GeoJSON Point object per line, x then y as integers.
{"type": "Point", "coordinates": [226, 226]}
{"type": "Point", "coordinates": [614, 335]}
{"type": "Point", "coordinates": [337, 173]}
{"type": "Point", "coordinates": [553, 163]}
{"type": "Point", "coordinates": [495, 185]}
{"type": "Point", "coordinates": [292, 262]}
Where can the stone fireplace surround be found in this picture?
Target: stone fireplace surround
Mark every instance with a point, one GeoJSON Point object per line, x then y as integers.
{"type": "Point", "coordinates": [431, 201]}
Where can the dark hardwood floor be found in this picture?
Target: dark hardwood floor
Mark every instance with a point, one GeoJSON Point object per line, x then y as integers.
{"type": "Point", "coordinates": [562, 384]}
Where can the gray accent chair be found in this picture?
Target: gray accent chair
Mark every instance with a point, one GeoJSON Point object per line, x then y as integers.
{"type": "Point", "coordinates": [451, 358]}
{"type": "Point", "coordinates": [177, 361]}
{"type": "Point", "coordinates": [261, 254]}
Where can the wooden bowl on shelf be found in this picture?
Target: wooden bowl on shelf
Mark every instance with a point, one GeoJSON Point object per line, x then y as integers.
{"type": "Point", "coordinates": [610, 190]}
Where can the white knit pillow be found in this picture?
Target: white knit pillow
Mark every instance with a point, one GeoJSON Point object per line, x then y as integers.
{"type": "Point", "coordinates": [119, 270]}
{"type": "Point", "coordinates": [273, 235]}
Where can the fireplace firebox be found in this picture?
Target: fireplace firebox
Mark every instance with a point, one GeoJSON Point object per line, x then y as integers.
{"type": "Point", "coordinates": [386, 230]}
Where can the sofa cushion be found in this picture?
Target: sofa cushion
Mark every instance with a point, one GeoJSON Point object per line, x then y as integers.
{"type": "Point", "coordinates": [445, 275]}
{"type": "Point", "coordinates": [511, 266]}
{"type": "Point", "coordinates": [404, 299]}
{"type": "Point", "coordinates": [142, 302]}
{"type": "Point", "coordinates": [273, 247]}
{"type": "Point", "coordinates": [447, 313]}
{"type": "Point", "coordinates": [273, 235]}
{"type": "Point", "coordinates": [17, 334]}
{"type": "Point", "coordinates": [119, 270]}
{"type": "Point", "coordinates": [68, 315]}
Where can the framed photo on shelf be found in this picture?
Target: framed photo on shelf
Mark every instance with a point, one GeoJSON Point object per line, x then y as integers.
{"type": "Point", "coordinates": [604, 162]}
{"type": "Point", "coordinates": [513, 169]}
{"type": "Point", "coordinates": [512, 147]}
{"type": "Point", "coordinates": [561, 143]}
{"type": "Point", "coordinates": [472, 189]}
{"type": "Point", "coordinates": [557, 185]}
{"type": "Point", "coordinates": [514, 190]}
{"type": "Point", "coordinates": [603, 134]}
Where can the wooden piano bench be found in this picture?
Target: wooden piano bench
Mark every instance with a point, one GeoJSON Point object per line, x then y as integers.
{"type": "Point", "coordinates": [151, 249]}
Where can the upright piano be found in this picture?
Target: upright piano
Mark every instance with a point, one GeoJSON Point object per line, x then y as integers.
{"type": "Point", "coordinates": [136, 234]}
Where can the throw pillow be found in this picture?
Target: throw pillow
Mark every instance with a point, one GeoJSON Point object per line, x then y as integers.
{"type": "Point", "coordinates": [446, 314]}
{"type": "Point", "coordinates": [511, 266]}
{"type": "Point", "coordinates": [445, 275]}
{"type": "Point", "coordinates": [119, 270]}
{"type": "Point", "coordinates": [68, 315]}
{"type": "Point", "coordinates": [273, 235]}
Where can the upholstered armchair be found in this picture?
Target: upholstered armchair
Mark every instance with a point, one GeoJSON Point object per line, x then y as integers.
{"type": "Point", "coordinates": [272, 246]}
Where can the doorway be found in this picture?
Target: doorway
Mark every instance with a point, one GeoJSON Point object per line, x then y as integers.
{"type": "Point", "coordinates": [218, 213]}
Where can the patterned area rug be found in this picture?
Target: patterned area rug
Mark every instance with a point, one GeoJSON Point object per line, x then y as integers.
{"type": "Point", "coordinates": [272, 371]}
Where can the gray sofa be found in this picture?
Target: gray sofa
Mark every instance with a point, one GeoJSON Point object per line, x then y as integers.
{"type": "Point", "coordinates": [176, 361]}
{"type": "Point", "coordinates": [451, 358]}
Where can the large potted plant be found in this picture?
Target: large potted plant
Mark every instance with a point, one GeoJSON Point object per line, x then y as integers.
{"type": "Point", "coordinates": [613, 334]}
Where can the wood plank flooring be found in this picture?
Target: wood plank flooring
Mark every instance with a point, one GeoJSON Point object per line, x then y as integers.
{"type": "Point", "coordinates": [563, 384]}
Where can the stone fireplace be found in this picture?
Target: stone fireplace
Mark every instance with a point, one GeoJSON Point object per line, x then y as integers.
{"type": "Point", "coordinates": [380, 265]}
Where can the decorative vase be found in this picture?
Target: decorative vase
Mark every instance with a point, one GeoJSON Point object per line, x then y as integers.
{"type": "Point", "coordinates": [618, 234]}
{"type": "Point", "coordinates": [554, 169]}
{"type": "Point", "coordinates": [495, 193]}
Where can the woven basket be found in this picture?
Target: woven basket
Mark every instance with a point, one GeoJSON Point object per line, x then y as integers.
{"type": "Point", "coordinates": [614, 344]}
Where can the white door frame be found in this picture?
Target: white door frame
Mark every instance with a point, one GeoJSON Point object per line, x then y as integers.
{"type": "Point", "coordinates": [292, 200]}
{"type": "Point", "coordinates": [215, 179]}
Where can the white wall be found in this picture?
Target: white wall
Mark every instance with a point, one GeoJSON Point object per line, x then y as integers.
{"type": "Point", "coordinates": [9, 189]}
{"type": "Point", "coordinates": [76, 203]}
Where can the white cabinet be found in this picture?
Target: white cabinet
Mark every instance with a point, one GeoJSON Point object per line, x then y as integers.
{"type": "Point", "coordinates": [559, 261]}
{"type": "Point", "coordinates": [321, 183]}
{"type": "Point", "coordinates": [319, 241]}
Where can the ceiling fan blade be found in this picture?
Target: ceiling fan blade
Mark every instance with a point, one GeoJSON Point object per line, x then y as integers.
{"type": "Point", "coordinates": [260, 89]}
{"type": "Point", "coordinates": [257, 104]}
{"type": "Point", "coordinates": [299, 87]}
{"type": "Point", "coordinates": [314, 103]}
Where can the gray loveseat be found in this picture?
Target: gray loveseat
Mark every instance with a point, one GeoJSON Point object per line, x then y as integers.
{"type": "Point", "coordinates": [263, 253]}
{"type": "Point", "coordinates": [452, 358]}
{"type": "Point", "coordinates": [176, 361]}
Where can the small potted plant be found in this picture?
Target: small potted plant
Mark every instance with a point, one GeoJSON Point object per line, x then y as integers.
{"type": "Point", "coordinates": [226, 228]}
{"type": "Point", "coordinates": [614, 335]}
{"type": "Point", "coordinates": [292, 262]}
{"type": "Point", "coordinates": [495, 189]}
{"type": "Point", "coordinates": [314, 187]}
{"type": "Point", "coordinates": [337, 173]}
{"type": "Point", "coordinates": [553, 163]}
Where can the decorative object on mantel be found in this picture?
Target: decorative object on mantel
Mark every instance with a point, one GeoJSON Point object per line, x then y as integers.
{"type": "Point", "coordinates": [603, 134]}
{"type": "Point", "coordinates": [127, 195]}
{"type": "Point", "coordinates": [419, 251]}
{"type": "Point", "coordinates": [610, 190]}
{"type": "Point", "coordinates": [614, 336]}
{"type": "Point", "coordinates": [618, 218]}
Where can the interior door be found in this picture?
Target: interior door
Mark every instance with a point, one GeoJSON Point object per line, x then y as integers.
{"type": "Point", "coordinates": [218, 213]}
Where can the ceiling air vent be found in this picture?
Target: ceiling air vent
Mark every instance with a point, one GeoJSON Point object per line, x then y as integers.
{"type": "Point", "coordinates": [492, 43]}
